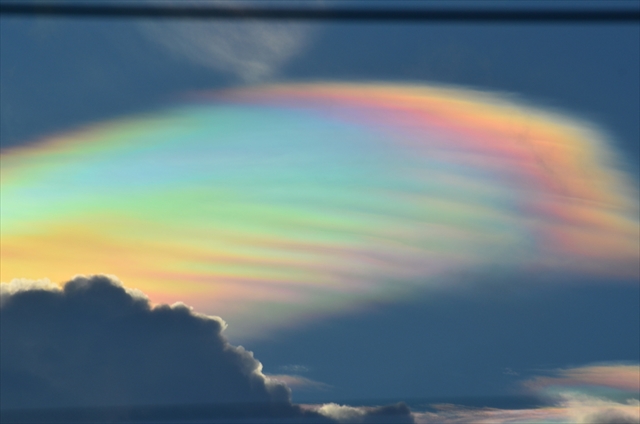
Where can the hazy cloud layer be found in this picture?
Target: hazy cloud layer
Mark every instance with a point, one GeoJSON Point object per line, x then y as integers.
{"type": "Point", "coordinates": [252, 50]}
{"type": "Point", "coordinates": [573, 409]}
{"type": "Point", "coordinates": [596, 394]}
{"type": "Point", "coordinates": [622, 377]}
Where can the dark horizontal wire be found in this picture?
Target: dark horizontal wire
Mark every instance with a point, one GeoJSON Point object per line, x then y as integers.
{"type": "Point", "coordinates": [318, 14]}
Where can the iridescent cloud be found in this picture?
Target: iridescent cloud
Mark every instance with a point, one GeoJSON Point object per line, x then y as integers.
{"type": "Point", "coordinates": [625, 378]}
{"type": "Point", "coordinates": [603, 393]}
{"type": "Point", "coordinates": [268, 203]}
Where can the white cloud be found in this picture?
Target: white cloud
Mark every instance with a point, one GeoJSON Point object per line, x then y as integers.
{"type": "Point", "coordinates": [397, 413]}
{"type": "Point", "coordinates": [574, 409]}
{"type": "Point", "coordinates": [252, 50]}
{"type": "Point", "coordinates": [342, 413]}
{"type": "Point", "coordinates": [595, 394]}
{"type": "Point", "coordinates": [583, 408]}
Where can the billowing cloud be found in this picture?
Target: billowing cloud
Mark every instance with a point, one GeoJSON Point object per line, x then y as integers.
{"type": "Point", "coordinates": [92, 349]}
{"type": "Point", "coordinates": [93, 343]}
{"type": "Point", "coordinates": [596, 394]}
{"type": "Point", "coordinates": [252, 50]}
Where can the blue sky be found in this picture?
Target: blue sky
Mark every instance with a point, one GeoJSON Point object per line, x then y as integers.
{"type": "Point", "coordinates": [504, 326]}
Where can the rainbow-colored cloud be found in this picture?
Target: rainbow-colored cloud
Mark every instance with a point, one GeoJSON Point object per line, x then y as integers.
{"type": "Point", "coordinates": [610, 377]}
{"type": "Point", "coordinates": [264, 203]}
{"type": "Point", "coordinates": [600, 393]}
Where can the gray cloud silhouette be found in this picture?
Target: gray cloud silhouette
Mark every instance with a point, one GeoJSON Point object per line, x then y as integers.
{"type": "Point", "coordinates": [93, 343]}
{"type": "Point", "coordinates": [93, 350]}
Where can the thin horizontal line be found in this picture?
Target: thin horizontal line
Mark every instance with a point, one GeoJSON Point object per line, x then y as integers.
{"type": "Point", "coordinates": [319, 14]}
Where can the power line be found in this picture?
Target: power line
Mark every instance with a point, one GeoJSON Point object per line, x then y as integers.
{"type": "Point", "coordinates": [195, 11]}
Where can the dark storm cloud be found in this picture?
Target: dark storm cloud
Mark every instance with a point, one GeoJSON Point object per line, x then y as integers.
{"type": "Point", "coordinates": [94, 343]}
{"type": "Point", "coordinates": [95, 350]}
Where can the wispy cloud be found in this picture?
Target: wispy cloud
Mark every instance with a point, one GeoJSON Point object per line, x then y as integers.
{"type": "Point", "coordinates": [602, 393]}
{"type": "Point", "coordinates": [299, 382]}
{"type": "Point", "coordinates": [622, 377]}
{"type": "Point", "coordinates": [252, 50]}
{"type": "Point", "coordinates": [573, 409]}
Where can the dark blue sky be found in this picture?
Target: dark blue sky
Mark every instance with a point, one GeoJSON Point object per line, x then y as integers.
{"type": "Point", "coordinates": [474, 343]}
{"type": "Point", "coordinates": [56, 74]}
